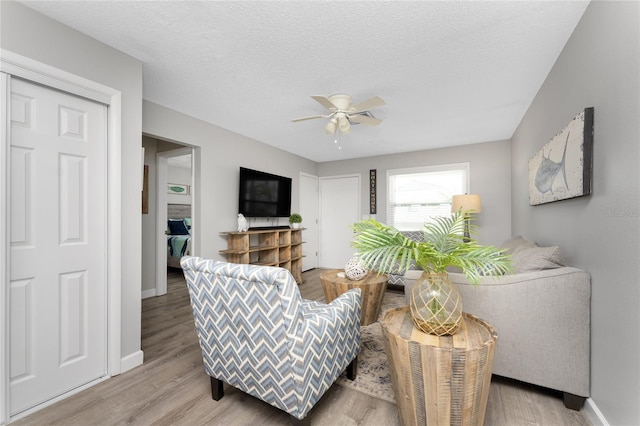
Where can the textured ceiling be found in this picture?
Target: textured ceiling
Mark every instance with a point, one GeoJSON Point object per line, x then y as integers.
{"type": "Point", "coordinates": [451, 73]}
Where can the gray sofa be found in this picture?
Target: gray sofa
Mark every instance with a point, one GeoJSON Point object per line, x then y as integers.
{"type": "Point", "coordinates": [542, 317]}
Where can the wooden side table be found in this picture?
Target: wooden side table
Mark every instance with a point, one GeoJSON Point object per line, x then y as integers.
{"type": "Point", "coordinates": [372, 286]}
{"type": "Point", "coordinates": [439, 380]}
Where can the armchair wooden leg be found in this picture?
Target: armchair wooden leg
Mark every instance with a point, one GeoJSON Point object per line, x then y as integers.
{"type": "Point", "coordinates": [217, 389]}
{"type": "Point", "coordinates": [352, 369]}
{"type": "Point", "coordinates": [300, 422]}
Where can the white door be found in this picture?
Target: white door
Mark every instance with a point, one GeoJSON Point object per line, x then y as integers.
{"type": "Point", "coordinates": [339, 209]}
{"type": "Point", "coordinates": [309, 212]}
{"type": "Point", "coordinates": [57, 254]}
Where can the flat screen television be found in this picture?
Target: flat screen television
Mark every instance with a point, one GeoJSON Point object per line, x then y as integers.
{"type": "Point", "coordinates": [263, 194]}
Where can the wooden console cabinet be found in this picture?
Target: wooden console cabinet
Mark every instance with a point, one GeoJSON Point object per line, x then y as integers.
{"type": "Point", "coordinates": [268, 247]}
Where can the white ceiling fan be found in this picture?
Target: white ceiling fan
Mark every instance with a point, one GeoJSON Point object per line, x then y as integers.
{"type": "Point", "coordinates": [343, 114]}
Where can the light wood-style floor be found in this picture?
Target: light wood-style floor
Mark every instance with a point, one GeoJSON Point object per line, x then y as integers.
{"type": "Point", "coordinates": [171, 387]}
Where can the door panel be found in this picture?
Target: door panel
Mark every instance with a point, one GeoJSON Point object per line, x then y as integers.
{"type": "Point", "coordinates": [339, 209]}
{"type": "Point", "coordinates": [57, 243]}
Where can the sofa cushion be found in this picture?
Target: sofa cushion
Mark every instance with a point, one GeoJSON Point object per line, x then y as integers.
{"type": "Point", "coordinates": [526, 259]}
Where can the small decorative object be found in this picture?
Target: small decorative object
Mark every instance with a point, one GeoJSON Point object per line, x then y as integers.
{"type": "Point", "coordinates": [295, 220]}
{"type": "Point", "coordinates": [435, 303]}
{"type": "Point", "coordinates": [243, 225]}
{"type": "Point", "coordinates": [562, 168]}
{"type": "Point", "coordinates": [372, 191]}
{"type": "Point", "coordinates": [178, 188]}
{"type": "Point", "coordinates": [355, 269]}
{"type": "Point", "coordinates": [145, 189]}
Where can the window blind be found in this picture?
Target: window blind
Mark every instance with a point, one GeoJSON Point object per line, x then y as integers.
{"type": "Point", "coordinates": [417, 195]}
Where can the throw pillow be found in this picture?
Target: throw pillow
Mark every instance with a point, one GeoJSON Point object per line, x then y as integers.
{"type": "Point", "coordinates": [177, 227]}
{"type": "Point", "coordinates": [536, 259]}
{"type": "Point", "coordinates": [516, 243]}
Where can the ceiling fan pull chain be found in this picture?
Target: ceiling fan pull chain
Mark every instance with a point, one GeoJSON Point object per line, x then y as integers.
{"type": "Point", "coordinates": [337, 139]}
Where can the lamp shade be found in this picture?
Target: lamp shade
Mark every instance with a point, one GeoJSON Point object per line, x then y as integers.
{"type": "Point", "coordinates": [344, 125]}
{"type": "Point", "coordinates": [466, 202]}
{"type": "Point", "coordinates": [331, 126]}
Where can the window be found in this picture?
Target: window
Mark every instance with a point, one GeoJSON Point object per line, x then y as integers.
{"type": "Point", "coordinates": [415, 195]}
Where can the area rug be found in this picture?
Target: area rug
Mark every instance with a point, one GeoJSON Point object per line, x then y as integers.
{"type": "Point", "coordinates": [373, 376]}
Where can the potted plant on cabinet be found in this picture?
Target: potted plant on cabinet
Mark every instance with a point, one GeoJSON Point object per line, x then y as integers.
{"type": "Point", "coordinates": [295, 220]}
{"type": "Point", "coordinates": [435, 302]}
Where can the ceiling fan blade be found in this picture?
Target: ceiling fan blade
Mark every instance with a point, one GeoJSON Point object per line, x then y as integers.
{"type": "Point", "coordinates": [364, 119]}
{"type": "Point", "coordinates": [308, 118]}
{"type": "Point", "coordinates": [325, 102]}
{"type": "Point", "coordinates": [374, 102]}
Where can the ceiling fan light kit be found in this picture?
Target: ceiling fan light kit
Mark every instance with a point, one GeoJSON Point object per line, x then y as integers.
{"type": "Point", "coordinates": [331, 126]}
{"type": "Point", "coordinates": [342, 114]}
{"type": "Point", "coordinates": [343, 124]}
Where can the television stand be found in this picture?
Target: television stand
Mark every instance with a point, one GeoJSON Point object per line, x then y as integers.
{"type": "Point", "coordinates": [267, 228]}
{"type": "Point", "coordinates": [273, 246]}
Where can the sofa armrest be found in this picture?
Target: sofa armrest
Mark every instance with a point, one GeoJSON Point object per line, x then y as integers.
{"type": "Point", "coordinates": [338, 309]}
{"type": "Point", "coordinates": [543, 323]}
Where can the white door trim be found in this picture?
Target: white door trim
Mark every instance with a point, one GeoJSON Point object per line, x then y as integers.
{"type": "Point", "coordinates": [4, 249]}
{"type": "Point", "coordinates": [311, 223]}
{"type": "Point", "coordinates": [161, 209]}
{"type": "Point", "coordinates": [29, 69]}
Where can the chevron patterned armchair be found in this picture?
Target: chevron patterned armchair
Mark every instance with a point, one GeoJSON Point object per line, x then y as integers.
{"type": "Point", "coordinates": [257, 334]}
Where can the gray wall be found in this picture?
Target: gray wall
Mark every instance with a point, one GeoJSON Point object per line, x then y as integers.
{"type": "Point", "coordinates": [30, 34]}
{"type": "Point", "coordinates": [600, 233]}
{"type": "Point", "coordinates": [219, 155]}
{"type": "Point", "coordinates": [149, 220]}
{"type": "Point", "coordinates": [490, 165]}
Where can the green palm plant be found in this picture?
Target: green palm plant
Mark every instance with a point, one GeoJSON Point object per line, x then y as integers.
{"type": "Point", "coordinates": [435, 303]}
{"type": "Point", "coordinates": [385, 249]}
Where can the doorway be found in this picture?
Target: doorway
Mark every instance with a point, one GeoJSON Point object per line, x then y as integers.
{"type": "Point", "coordinates": [175, 202]}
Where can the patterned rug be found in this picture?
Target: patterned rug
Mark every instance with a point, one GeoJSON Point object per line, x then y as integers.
{"type": "Point", "coordinates": [373, 376]}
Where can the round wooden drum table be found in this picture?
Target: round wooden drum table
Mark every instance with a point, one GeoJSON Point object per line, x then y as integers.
{"type": "Point", "coordinates": [439, 380]}
{"type": "Point", "coordinates": [372, 287]}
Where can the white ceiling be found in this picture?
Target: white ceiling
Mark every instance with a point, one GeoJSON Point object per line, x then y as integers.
{"type": "Point", "coordinates": [451, 73]}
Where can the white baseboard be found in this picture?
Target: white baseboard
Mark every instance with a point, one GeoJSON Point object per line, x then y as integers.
{"type": "Point", "coordinates": [131, 361]}
{"type": "Point", "coordinates": [148, 293]}
{"type": "Point", "coordinates": [594, 414]}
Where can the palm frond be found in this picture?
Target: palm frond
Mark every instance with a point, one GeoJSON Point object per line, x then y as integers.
{"type": "Point", "coordinates": [386, 249]}
{"type": "Point", "coordinates": [383, 248]}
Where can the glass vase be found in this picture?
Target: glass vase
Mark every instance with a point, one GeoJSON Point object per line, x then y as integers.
{"type": "Point", "coordinates": [436, 305]}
